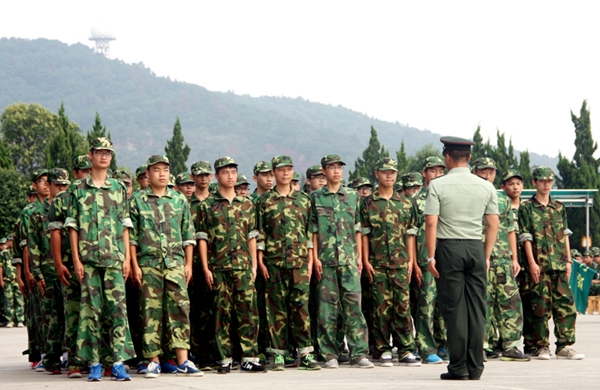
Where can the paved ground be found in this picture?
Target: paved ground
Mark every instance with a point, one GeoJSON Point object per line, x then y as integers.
{"type": "Point", "coordinates": [554, 374]}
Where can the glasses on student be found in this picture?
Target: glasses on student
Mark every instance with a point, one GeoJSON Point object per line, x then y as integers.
{"type": "Point", "coordinates": [41, 181]}
{"type": "Point", "coordinates": [335, 167]}
{"type": "Point", "coordinates": [103, 153]}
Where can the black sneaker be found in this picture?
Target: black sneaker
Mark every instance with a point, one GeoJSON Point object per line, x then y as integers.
{"type": "Point", "coordinates": [491, 354]}
{"type": "Point", "coordinates": [224, 368]}
{"type": "Point", "coordinates": [514, 355]}
{"type": "Point", "coordinates": [308, 362]}
{"type": "Point", "coordinates": [343, 359]}
{"type": "Point", "coordinates": [252, 367]}
{"type": "Point", "coordinates": [409, 360]}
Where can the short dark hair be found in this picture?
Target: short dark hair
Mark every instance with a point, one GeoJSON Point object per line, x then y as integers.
{"type": "Point", "coordinates": [458, 155]}
{"type": "Point", "coordinates": [226, 166]}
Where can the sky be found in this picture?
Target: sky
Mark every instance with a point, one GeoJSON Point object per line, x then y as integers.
{"type": "Point", "coordinates": [445, 66]}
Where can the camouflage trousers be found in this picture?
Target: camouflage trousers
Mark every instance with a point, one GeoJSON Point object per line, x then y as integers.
{"type": "Point", "coordinates": [103, 316]}
{"type": "Point", "coordinates": [38, 319]}
{"type": "Point", "coordinates": [287, 309]}
{"type": "Point", "coordinates": [235, 295]}
{"type": "Point", "coordinates": [33, 329]}
{"type": "Point", "coordinates": [391, 311]}
{"type": "Point", "coordinates": [423, 309]}
{"type": "Point", "coordinates": [14, 305]}
{"type": "Point", "coordinates": [552, 296]}
{"type": "Point", "coordinates": [504, 307]}
{"type": "Point", "coordinates": [164, 300]}
{"type": "Point", "coordinates": [201, 317]}
{"type": "Point", "coordinates": [54, 321]}
{"type": "Point", "coordinates": [339, 294]}
{"type": "Point", "coordinates": [524, 283]}
{"type": "Point", "coordinates": [72, 302]}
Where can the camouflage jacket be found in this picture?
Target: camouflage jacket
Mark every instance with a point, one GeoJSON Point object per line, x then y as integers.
{"type": "Point", "coordinates": [284, 229]}
{"type": "Point", "coordinates": [38, 242]}
{"type": "Point", "coordinates": [57, 214]}
{"type": "Point", "coordinates": [227, 227]}
{"type": "Point", "coordinates": [17, 251]}
{"type": "Point", "coordinates": [386, 223]}
{"type": "Point", "coordinates": [417, 225]}
{"type": "Point", "coordinates": [100, 216]}
{"type": "Point", "coordinates": [9, 272]}
{"type": "Point", "coordinates": [24, 224]}
{"type": "Point", "coordinates": [336, 220]}
{"type": "Point", "coordinates": [501, 253]}
{"type": "Point", "coordinates": [162, 228]}
{"type": "Point", "coordinates": [547, 229]}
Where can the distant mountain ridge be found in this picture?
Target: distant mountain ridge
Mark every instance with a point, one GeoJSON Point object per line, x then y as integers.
{"type": "Point", "coordinates": [140, 108]}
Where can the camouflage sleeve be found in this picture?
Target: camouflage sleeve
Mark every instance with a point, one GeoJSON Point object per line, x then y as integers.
{"type": "Point", "coordinates": [134, 216]}
{"type": "Point", "coordinates": [307, 229]}
{"type": "Point", "coordinates": [34, 241]}
{"type": "Point", "coordinates": [72, 220]}
{"type": "Point", "coordinates": [252, 230]}
{"type": "Point", "coordinates": [364, 218]}
{"type": "Point", "coordinates": [567, 231]}
{"type": "Point", "coordinates": [357, 225]}
{"type": "Point", "coordinates": [196, 221]}
{"type": "Point", "coordinates": [23, 231]}
{"type": "Point", "coordinates": [188, 233]}
{"type": "Point", "coordinates": [202, 233]}
{"type": "Point", "coordinates": [511, 220]}
{"type": "Point", "coordinates": [126, 218]}
{"type": "Point", "coordinates": [55, 218]}
{"type": "Point", "coordinates": [525, 224]}
{"type": "Point", "coordinates": [413, 226]}
{"type": "Point", "coordinates": [314, 223]}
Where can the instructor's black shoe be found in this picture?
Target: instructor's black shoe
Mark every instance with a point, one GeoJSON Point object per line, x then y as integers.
{"type": "Point", "coordinates": [451, 376]}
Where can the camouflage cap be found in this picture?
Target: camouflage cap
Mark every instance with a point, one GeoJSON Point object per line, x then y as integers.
{"type": "Point", "coordinates": [483, 163]}
{"type": "Point", "coordinates": [141, 170]}
{"type": "Point", "coordinates": [101, 143]}
{"type": "Point", "coordinates": [2, 240]}
{"type": "Point", "coordinates": [183, 178]}
{"type": "Point", "coordinates": [386, 164]}
{"type": "Point", "coordinates": [433, 161]}
{"type": "Point", "coordinates": [543, 173]}
{"type": "Point", "coordinates": [157, 158]}
{"type": "Point", "coordinates": [241, 180]}
{"type": "Point", "coordinates": [314, 170]}
{"type": "Point", "coordinates": [123, 174]}
{"type": "Point", "coordinates": [82, 162]}
{"type": "Point", "coordinates": [38, 173]}
{"type": "Point", "coordinates": [575, 253]}
{"type": "Point", "coordinates": [412, 179]}
{"type": "Point", "coordinates": [32, 191]}
{"type": "Point", "coordinates": [9, 237]}
{"type": "Point", "coordinates": [510, 173]}
{"type": "Point", "coordinates": [263, 166]}
{"type": "Point", "coordinates": [331, 159]}
{"type": "Point", "coordinates": [295, 177]}
{"type": "Point", "coordinates": [281, 161]}
{"type": "Point", "coordinates": [201, 168]}
{"type": "Point", "coordinates": [585, 253]}
{"type": "Point", "coordinates": [223, 162]}
{"type": "Point", "coordinates": [360, 182]}
{"type": "Point", "coordinates": [595, 251]}
{"type": "Point", "coordinates": [58, 176]}
{"type": "Point", "coordinates": [343, 182]}
{"type": "Point", "coordinates": [171, 182]}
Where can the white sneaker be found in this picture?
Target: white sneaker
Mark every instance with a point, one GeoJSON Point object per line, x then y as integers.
{"type": "Point", "coordinates": [20, 325]}
{"type": "Point", "coordinates": [153, 370]}
{"type": "Point", "coordinates": [364, 363]}
{"type": "Point", "coordinates": [543, 353]}
{"type": "Point", "coordinates": [569, 353]}
{"type": "Point", "coordinates": [386, 360]}
{"type": "Point", "coordinates": [9, 325]}
{"type": "Point", "coordinates": [332, 363]}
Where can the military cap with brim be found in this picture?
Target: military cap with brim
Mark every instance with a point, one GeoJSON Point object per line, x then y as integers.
{"type": "Point", "coordinates": [171, 182]}
{"type": "Point", "coordinates": [281, 161]}
{"type": "Point", "coordinates": [412, 179]}
{"type": "Point", "coordinates": [58, 176]}
{"type": "Point", "coordinates": [314, 170]}
{"type": "Point", "coordinates": [157, 158]}
{"type": "Point", "coordinates": [386, 164]}
{"type": "Point", "coordinates": [331, 159]}
{"type": "Point", "coordinates": [510, 173]}
{"type": "Point", "coordinates": [595, 251]}
{"type": "Point", "coordinates": [223, 162]}
{"type": "Point", "coordinates": [542, 173]}
{"type": "Point", "coordinates": [38, 173]}
{"type": "Point", "coordinates": [262, 167]}
{"type": "Point", "coordinates": [140, 170]}
{"type": "Point", "coordinates": [183, 178]}
{"type": "Point", "coordinates": [484, 163]}
{"type": "Point", "coordinates": [101, 143]}
{"type": "Point", "coordinates": [241, 180]}
{"type": "Point", "coordinates": [3, 240]}
{"type": "Point", "coordinates": [361, 182]}
{"type": "Point", "coordinates": [123, 175]}
{"type": "Point", "coordinates": [82, 162]}
{"type": "Point", "coordinates": [433, 161]}
{"type": "Point", "coordinates": [456, 143]}
{"type": "Point", "coordinates": [201, 168]}
{"type": "Point", "coordinates": [295, 177]}
{"type": "Point", "coordinates": [585, 253]}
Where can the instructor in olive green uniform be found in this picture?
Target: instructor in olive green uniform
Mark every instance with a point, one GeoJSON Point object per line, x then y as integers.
{"type": "Point", "coordinates": [455, 206]}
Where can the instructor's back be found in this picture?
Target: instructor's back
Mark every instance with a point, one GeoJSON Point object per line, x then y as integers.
{"type": "Point", "coordinates": [455, 207]}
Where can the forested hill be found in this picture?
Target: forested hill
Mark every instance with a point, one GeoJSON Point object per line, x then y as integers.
{"type": "Point", "coordinates": [140, 109]}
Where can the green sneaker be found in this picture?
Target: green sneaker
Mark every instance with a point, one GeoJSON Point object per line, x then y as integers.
{"type": "Point", "coordinates": [308, 362]}
{"type": "Point", "coordinates": [279, 364]}
{"type": "Point", "coordinates": [262, 359]}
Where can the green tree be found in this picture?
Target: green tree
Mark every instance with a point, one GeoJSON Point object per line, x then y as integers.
{"type": "Point", "coordinates": [478, 149]}
{"type": "Point", "coordinates": [13, 198]}
{"type": "Point", "coordinates": [5, 161]}
{"type": "Point", "coordinates": [365, 166]}
{"type": "Point", "coordinates": [415, 163]}
{"type": "Point", "coordinates": [176, 152]}
{"type": "Point", "coordinates": [401, 159]}
{"type": "Point", "coordinates": [98, 131]}
{"type": "Point", "coordinates": [524, 167]}
{"type": "Point", "coordinates": [26, 131]}
{"type": "Point", "coordinates": [67, 144]}
{"type": "Point", "coordinates": [582, 173]}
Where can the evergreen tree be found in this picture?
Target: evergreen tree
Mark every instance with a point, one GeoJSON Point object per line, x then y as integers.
{"type": "Point", "coordinates": [401, 159]}
{"type": "Point", "coordinates": [13, 198]}
{"type": "Point", "coordinates": [67, 144]}
{"type": "Point", "coordinates": [365, 166]}
{"type": "Point", "coordinates": [582, 173]}
{"type": "Point", "coordinates": [5, 161]}
{"type": "Point", "coordinates": [176, 152]}
{"type": "Point", "coordinates": [415, 163]}
{"type": "Point", "coordinates": [500, 155]}
{"type": "Point", "coordinates": [524, 167]}
{"type": "Point", "coordinates": [478, 149]}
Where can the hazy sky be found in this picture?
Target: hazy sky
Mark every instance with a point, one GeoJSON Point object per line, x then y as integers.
{"type": "Point", "coordinates": [446, 66]}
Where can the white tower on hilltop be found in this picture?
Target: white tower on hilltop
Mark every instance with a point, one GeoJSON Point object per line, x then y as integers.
{"type": "Point", "coordinates": [102, 38]}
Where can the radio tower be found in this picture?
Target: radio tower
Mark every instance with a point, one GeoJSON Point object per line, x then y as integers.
{"type": "Point", "coordinates": [102, 39]}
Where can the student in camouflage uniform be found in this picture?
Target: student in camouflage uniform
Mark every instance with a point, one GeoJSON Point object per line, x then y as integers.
{"type": "Point", "coordinates": [242, 187]}
{"type": "Point", "coordinates": [161, 244]}
{"type": "Point", "coordinates": [99, 225]}
{"type": "Point", "coordinates": [504, 302]}
{"type": "Point", "coordinates": [227, 246]}
{"type": "Point", "coordinates": [141, 176]}
{"type": "Point", "coordinates": [412, 183]}
{"type": "Point", "coordinates": [363, 186]}
{"type": "Point", "coordinates": [13, 298]}
{"type": "Point", "coordinates": [124, 176]}
{"type": "Point", "coordinates": [201, 299]}
{"type": "Point", "coordinates": [285, 261]}
{"type": "Point", "coordinates": [263, 176]}
{"type": "Point", "coordinates": [385, 218]}
{"type": "Point", "coordinates": [545, 235]}
{"type": "Point", "coordinates": [337, 261]}
{"type": "Point", "coordinates": [315, 178]}
{"type": "Point", "coordinates": [186, 185]}
{"type": "Point", "coordinates": [296, 182]}
{"type": "Point", "coordinates": [424, 309]}
{"type": "Point", "coordinates": [61, 252]}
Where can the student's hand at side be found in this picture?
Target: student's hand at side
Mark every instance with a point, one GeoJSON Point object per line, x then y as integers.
{"type": "Point", "coordinates": [318, 267]}
{"type": "Point", "coordinates": [569, 271]}
{"type": "Point", "coordinates": [516, 268]}
{"type": "Point", "coordinates": [136, 275]}
{"type": "Point", "coordinates": [63, 274]}
{"type": "Point", "coordinates": [78, 267]}
{"type": "Point", "coordinates": [418, 274]}
{"type": "Point", "coordinates": [534, 270]}
{"type": "Point", "coordinates": [30, 280]}
{"type": "Point", "coordinates": [263, 270]}
{"type": "Point", "coordinates": [126, 269]}
{"type": "Point", "coordinates": [208, 276]}
{"type": "Point", "coordinates": [42, 286]}
{"type": "Point", "coordinates": [188, 274]}
{"type": "Point", "coordinates": [21, 286]}
{"type": "Point", "coordinates": [368, 268]}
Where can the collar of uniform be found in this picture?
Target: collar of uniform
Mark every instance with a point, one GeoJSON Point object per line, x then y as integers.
{"type": "Point", "coordinates": [341, 190]}
{"type": "Point", "coordinates": [459, 170]}
{"type": "Point", "coordinates": [90, 182]}
{"type": "Point", "coordinates": [536, 203]}
{"type": "Point", "coordinates": [217, 195]}
{"type": "Point", "coordinates": [169, 193]}
{"type": "Point", "coordinates": [395, 196]}
{"type": "Point", "coordinates": [292, 194]}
